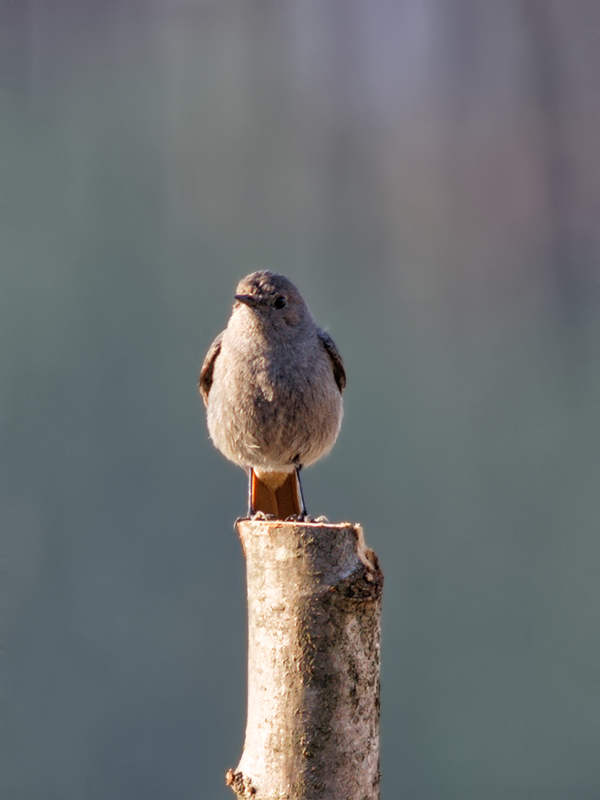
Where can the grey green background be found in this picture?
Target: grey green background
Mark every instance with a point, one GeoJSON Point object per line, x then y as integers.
{"type": "Point", "coordinates": [427, 173]}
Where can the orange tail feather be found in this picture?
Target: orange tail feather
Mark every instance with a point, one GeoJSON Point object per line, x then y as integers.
{"type": "Point", "coordinates": [277, 494]}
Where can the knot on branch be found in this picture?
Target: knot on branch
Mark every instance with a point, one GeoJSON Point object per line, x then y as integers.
{"type": "Point", "coordinates": [240, 784]}
{"type": "Point", "coordinates": [365, 583]}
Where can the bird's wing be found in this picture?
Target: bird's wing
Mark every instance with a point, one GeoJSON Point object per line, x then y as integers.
{"type": "Point", "coordinates": [339, 373]}
{"type": "Point", "coordinates": [206, 373]}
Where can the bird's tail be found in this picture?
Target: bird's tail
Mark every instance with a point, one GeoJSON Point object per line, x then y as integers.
{"type": "Point", "coordinates": [276, 493]}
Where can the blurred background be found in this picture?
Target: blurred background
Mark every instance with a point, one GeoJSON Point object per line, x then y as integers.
{"type": "Point", "coordinates": [426, 171]}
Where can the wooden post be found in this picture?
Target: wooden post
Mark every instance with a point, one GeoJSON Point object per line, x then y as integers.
{"type": "Point", "coordinates": [314, 605]}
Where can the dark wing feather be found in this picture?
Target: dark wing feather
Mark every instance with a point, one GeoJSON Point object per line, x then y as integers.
{"type": "Point", "coordinates": [206, 373]}
{"type": "Point", "coordinates": [339, 373]}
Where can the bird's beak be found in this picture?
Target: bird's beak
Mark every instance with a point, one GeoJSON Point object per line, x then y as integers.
{"type": "Point", "coordinates": [248, 300]}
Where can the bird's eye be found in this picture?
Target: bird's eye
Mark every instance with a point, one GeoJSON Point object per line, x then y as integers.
{"type": "Point", "coordinates": [280, 302]}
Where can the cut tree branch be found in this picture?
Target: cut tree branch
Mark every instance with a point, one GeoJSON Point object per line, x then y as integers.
{"type": "Point", "coordinates": [314, 605]}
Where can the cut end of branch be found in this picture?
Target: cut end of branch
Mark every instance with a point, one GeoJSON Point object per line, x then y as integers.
{"type": "Point", "coordinates": [364, 581]}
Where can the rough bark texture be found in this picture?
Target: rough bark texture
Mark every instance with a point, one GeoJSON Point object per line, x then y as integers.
{"type": "Point", "coordinates": [314, 603]}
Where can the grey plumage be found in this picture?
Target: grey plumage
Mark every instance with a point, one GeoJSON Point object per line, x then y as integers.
{"type": "Point", "coordinates": [272, 381]}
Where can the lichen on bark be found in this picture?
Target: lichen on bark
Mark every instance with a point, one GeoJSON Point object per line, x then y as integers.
{"type": "Point", "coordinates": [314, 605]}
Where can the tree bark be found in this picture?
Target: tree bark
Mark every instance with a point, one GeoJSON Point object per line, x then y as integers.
{"type": "Point", "coordinates": [314, 606]}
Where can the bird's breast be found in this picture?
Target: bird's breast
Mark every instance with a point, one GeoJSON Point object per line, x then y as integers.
{"type": "Point", "coordinates": [273, 406]}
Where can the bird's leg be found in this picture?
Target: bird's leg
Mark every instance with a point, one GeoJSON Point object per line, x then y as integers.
{"type": "Point", "coordinates": [250, 502]}
{"type": "Point", "coordinates": [303, 515]}
{"type": "Point", "coordinates": [303, 511]}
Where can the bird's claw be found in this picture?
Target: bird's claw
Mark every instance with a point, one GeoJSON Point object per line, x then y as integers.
{"type": "Point", "coordinates": [299, 518]}
{"type": "Point", "coordinates": [260, 515]}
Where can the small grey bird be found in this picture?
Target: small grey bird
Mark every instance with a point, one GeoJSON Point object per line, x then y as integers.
{"type": "Point", "coordinates": [272, 383]}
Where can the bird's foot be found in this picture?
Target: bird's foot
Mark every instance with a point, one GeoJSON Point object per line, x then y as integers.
{"type": "Point", "coordinates": [254, 516]}
{"type": "Point", "coordinates": [260, 515]}
{"type": "Point", "coordinates": [322, 520]}
{"type": "Point", "coordinates": [299, 518]}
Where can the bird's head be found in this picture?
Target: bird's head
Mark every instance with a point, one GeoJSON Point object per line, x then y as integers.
{"type": "Point", "coordinates": [272, 299]}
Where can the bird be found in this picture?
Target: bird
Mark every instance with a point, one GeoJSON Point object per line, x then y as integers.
{"type": "Point", "coordinates": [272, 384]}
